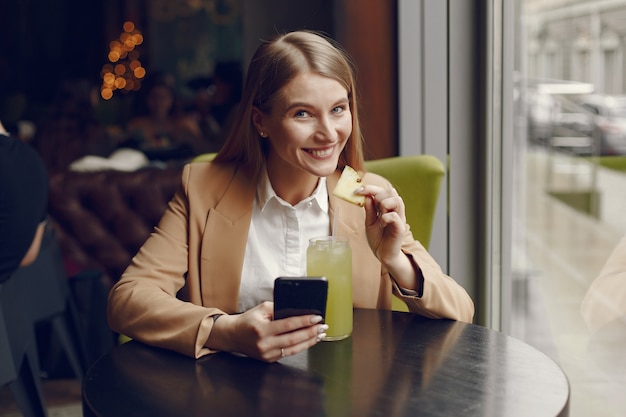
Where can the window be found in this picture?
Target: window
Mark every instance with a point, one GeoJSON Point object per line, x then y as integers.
{"type": "Point", "coordinates": [570, 192]}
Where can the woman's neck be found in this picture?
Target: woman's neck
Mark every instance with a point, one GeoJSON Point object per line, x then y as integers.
{"type": "Point", "coordinates": [291, 185]}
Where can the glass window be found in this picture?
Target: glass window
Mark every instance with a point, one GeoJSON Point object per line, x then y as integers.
{"type": "Point", "coordinates": [569, 255]}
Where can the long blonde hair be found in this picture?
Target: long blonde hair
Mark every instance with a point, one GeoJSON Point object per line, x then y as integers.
{"type": "Point", "coordinates": [275, 63]}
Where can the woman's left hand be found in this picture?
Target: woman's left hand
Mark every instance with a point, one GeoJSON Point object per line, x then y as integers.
{"type": "Point", "coordinates": [385, 221]}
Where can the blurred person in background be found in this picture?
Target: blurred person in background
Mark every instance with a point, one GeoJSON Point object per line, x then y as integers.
{"type": "Point", "coordinates": [158, 127]}
{"type": "Point", "coordinates": [215, 102]}
{"type": "Point", "coordinates": [23, 203]}
{"type": "Point", "coordinates": [71, 128]}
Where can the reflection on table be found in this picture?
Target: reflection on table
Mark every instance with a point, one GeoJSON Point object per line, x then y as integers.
{"type": "Point", "coordinates": [395, 364]}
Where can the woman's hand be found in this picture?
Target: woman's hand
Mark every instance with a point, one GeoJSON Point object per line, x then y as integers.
{"type": "Point", "coordinates": [385, 225]}
{"type": "Point", "coordinates": [254, 333]}
{"type": "Point", "coordinates": [385, 222]}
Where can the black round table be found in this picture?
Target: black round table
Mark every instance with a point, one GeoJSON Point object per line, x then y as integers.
{"type": "Point", "coordinates": [394, 364]}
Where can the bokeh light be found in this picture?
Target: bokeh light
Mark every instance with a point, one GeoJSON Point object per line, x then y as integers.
{"type": "Point", "coordinates": [124, 71]}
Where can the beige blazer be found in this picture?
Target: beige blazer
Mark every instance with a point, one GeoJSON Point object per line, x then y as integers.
{"type": "Point", "coordinates": [190, 266]}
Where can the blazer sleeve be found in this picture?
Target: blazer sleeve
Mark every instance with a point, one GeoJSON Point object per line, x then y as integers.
{"type": "Point", "coordinates": [143, 304]}
{"type": "Point", "coordinates": [441, 295]}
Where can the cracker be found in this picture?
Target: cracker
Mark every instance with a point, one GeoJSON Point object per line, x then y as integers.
{"type": "Point", "coordinates": [348, 182]}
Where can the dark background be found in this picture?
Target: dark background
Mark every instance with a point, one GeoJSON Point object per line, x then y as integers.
{"type": "Point", "coordinates": [46, 43]}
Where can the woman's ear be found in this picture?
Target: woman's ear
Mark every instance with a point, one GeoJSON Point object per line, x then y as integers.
{"type": "Point", "coordinates": [258, 119]}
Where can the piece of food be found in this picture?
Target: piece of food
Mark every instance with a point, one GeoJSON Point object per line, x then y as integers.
{"type": "Point", "coordinates": [348, 182]}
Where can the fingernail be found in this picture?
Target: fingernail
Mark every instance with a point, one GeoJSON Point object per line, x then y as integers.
{"type": "Point", "coordinates": [358, 190]}
{"type": "Point", "coordinates": [321, 337]}
{"type": "Point", "coordinates": [322, 328]}
{"type": "Point", "coordinates": [316, 319]}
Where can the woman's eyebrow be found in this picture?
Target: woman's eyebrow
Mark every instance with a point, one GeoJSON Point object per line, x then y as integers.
{"type": "Point", "coordinates": [297, 104]}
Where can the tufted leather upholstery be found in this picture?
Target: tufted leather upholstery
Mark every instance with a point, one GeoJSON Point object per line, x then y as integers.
{"type": "Point", "coordinates": [102, 218]}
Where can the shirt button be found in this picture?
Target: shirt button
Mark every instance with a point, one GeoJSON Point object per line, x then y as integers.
{"type": "Point", "coordinates": [310, 204]}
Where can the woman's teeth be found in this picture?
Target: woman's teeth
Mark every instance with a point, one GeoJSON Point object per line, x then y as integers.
{"type": "Point", "coordinates": [320, 152]}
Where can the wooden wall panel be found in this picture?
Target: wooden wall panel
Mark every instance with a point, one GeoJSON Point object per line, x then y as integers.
{"type": "Point", "coordinates": [367, 30]}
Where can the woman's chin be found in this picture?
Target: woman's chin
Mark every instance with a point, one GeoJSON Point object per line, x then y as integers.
{"type": "Point", "coordinates": [323, 167]}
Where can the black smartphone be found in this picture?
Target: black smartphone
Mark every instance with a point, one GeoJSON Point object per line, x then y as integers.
{"type": "Point", "coordinates": [297, 296]}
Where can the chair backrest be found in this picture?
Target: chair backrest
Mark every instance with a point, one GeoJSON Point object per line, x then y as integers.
{"type": "Point", "coordinates": [418, 180]}
{"type": "Point", "coordinates": [204, 157]}
{"type": "Point", "coordinates": [41, 293]}
{"type": "Point", "coordinates": [8, 372]}
{"type": "Point", "coordinates": [19, 364]}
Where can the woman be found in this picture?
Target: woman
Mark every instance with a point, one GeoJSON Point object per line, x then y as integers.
{"type": "Point", "coordinates": [239, 222]}
{"type": "Point", "coordinates": [72, 129]}
{"type": "Point", "coordinates": [215, 102]}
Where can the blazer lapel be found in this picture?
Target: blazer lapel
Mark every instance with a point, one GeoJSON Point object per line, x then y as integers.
{"type": "Point", "coordinates": [348, 216]}
{"type": "Point", "coordinates": [224, 242]}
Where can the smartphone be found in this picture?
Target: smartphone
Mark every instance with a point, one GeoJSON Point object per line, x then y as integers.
{"type": "Point", "coordinates": [297, 296]}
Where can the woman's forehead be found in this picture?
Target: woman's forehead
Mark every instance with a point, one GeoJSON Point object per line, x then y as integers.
{"type": "Point", "coordinates": [310, 88]}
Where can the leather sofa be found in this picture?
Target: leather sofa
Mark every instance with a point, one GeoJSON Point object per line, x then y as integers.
{"type": "Point", "coordinates": [102, 218]}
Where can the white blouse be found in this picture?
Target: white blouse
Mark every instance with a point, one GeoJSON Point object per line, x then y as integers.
{"type": "Point", "coordinates": [278, 239]}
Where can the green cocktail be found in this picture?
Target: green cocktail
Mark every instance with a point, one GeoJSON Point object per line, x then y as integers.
{"type": "Point", "coordinates": [331, 257]}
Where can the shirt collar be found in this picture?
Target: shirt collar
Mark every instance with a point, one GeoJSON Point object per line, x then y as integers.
{"type": "Point", "coordinates": [265, 193]}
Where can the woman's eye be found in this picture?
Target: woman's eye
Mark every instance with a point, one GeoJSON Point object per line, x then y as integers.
{"type": "Point", "coordinates": [339, 109]}
{"type": "Point", "coordinates": [301, 113]}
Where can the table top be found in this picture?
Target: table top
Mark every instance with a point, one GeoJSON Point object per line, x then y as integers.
{"type": "Point", "coordinates": [394, 364]}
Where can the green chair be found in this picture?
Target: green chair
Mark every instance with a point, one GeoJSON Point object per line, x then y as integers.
{"type": "Point", "coordinates": [418, 180]}
{"type": "Point", "coordinates": [203, 157]}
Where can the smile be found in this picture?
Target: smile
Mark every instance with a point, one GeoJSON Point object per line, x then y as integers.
{"type": "Point", "coordinates": [321, 153]}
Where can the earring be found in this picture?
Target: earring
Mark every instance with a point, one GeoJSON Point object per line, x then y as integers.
{"type": "Point", "coordinates": [263, 134]}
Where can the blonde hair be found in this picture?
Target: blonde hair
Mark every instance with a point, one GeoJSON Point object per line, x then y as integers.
{"type": "Point", "coordinates": [275, 63]}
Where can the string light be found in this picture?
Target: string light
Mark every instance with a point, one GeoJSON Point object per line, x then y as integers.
{"type": "Point", "coordinates": [124, 71]}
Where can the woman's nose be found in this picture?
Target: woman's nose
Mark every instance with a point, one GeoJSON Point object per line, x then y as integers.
{"type": "Point", "coordinates": [326, 129]}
